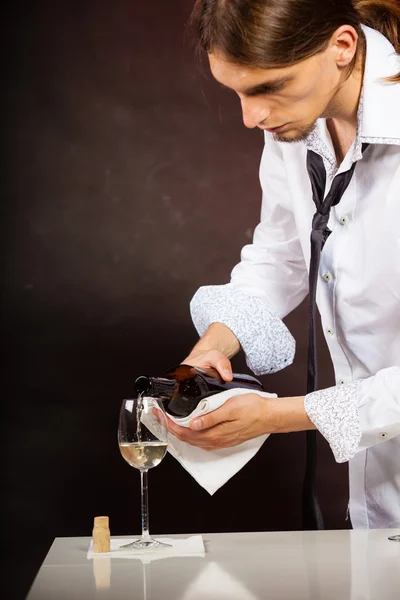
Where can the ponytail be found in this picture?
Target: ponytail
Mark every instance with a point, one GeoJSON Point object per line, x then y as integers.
{"type": "Point", "coordinates": [271, 33]}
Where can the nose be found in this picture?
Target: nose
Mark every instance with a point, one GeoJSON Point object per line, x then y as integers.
{"type": "Point", "coordinates": [253, 113]}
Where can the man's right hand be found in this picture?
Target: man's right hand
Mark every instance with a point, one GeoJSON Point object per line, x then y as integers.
{"type": "Point", "coordinates": [211, 358]}
{"type": "Point", "coordinates": [213, 349]}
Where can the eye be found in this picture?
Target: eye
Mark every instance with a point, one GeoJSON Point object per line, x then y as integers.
{"type": "Point", "coordinates": [266, 89]}
{"type": "Point", "coordinates": [271, 90]}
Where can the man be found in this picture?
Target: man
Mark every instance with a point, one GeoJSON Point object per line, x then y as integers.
{"type": "Point", "coordinates": [325, 89]}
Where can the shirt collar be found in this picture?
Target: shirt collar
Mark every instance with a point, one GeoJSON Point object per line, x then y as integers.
{"type": "Point", "coordinates": [377, 120]}
{"type": "Point", "coordinates": [380, 123]}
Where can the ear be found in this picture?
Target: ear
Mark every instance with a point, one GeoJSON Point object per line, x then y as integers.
{"type": "Point", "coordinates": [343, 44]}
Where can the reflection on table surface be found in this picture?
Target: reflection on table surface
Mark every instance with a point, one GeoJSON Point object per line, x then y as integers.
{"type": "Point", "coordinates": [331, 565]}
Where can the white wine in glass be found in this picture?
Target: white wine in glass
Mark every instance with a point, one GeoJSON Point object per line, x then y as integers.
{"type": "Point", "coordinates": [143, 442]}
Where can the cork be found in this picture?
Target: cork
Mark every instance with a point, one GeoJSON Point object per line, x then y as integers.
{"type": "Point", "coordinates": [101, 534]}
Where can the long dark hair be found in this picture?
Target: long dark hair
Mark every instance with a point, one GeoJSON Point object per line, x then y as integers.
{"type": "Point", "coordinates": [279, 33]}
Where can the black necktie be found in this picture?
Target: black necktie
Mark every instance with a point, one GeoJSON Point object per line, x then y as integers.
{"type": "Point", "coordinates": [312, 516]}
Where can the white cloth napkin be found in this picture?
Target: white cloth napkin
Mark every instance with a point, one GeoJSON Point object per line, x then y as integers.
{"type": "Point", "coordinates": [211, 469]}
{"type": "Point", "coordinates": [191, 546]}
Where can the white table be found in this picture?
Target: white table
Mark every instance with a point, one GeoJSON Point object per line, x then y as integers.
{"type": "Point", "coordinates": [326, 565]}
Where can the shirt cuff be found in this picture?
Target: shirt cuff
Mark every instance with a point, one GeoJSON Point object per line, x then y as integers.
{"type": "Point", "coordinates": [334, 412]}
{"type": "Point", "coordinates": [266, 341]}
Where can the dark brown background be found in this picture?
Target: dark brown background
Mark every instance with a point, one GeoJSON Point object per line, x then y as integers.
{"type": "Point", "coordinates": [129, 182]}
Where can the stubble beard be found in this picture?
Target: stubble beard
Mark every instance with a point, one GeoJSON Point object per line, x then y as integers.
{"type": "Point", "coordinates": [301, 135]}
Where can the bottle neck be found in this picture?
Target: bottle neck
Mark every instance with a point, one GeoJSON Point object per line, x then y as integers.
{"type": "Point", "coordinates": [157, 387]}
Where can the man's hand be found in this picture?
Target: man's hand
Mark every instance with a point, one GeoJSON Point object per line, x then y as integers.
{"type": "Point", "coordinates": [211, 358]}
{"type": "Point", "coordinates": [243, 418]}
{"type": "Point", "coordinates": [240, 419]}
{"type": "Point", "coordinates": [214, 349]}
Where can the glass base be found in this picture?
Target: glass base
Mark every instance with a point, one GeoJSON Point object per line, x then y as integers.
{"type": "Point", "coordinates": [147, 544]}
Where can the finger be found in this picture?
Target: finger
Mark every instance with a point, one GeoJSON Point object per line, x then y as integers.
{"type": "Point", "coordinates": [221, 363]}
{"type": "Point", "coordinates": [193, 439]}
{"type": "Point", "coordinates": [159, 415]}
{"type": "Point", "coordinates": [174, 428]}
{"type": "Point", "coordinates": [184, 434]}
{"type": "Point", "coordinates": [224, 368]}
{"type": "Point", "coordinates": [203, 439]}
{"type": "Point", "coordinates": [215, 359]}
{"type": "Point", "coordinates": [215, 417]}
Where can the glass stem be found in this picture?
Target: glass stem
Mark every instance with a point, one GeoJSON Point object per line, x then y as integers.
{"type": "Point", "coordinates": [145, 506]}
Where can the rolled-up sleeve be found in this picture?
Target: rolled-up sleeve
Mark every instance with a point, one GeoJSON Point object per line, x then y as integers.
{"type": "Point", "coordinates": [267, 284]}
{"type": "Point", "coordinates": [265, 340]}
{"type": "Point", "coordinates": [355, 416]}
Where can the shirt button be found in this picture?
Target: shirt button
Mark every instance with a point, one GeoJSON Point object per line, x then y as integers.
{"type": "Point", "coordinates": [344, 220]}
{"type": "Point", "coordinates": [330, 331]}
{"type": "Point", "coordinates": [382, 435]}
{"type": "Point", "coordinates": [327, 276]}
{"type": "Point", "coordinates": [341, 381]}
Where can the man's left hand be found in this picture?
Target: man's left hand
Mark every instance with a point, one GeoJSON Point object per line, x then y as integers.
{"type": "Point", "coordinates": [239, 419]}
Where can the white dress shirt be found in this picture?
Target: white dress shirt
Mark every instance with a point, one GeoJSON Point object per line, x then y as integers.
{"type": "Point", "coordinates": [358, 293]}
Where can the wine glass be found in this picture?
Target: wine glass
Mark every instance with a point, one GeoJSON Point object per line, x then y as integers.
{"type": "Point", "coordinates": [143, 441]}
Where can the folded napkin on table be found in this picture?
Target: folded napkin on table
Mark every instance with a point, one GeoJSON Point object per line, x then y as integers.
{"type": "Point", "coordinates": [190, 546]}
{"type": "Point", "coordinates": [211, 469]}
